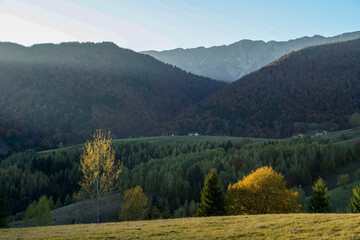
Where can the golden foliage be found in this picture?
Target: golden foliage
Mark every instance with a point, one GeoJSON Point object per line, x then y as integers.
{"type": "Point", "coordinates": [263, 191]}
{"type": "Point", "coordinates": [135, 205]}
{"type": "Point", "coordinates": [97, 164]}
{"type": "Point", "coordinates": [98, 168]}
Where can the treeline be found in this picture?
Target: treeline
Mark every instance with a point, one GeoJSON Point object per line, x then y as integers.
{"type": "Point", "coordinates": [315, 86]}
{"type": "Point", "coordinates": [174, 173]}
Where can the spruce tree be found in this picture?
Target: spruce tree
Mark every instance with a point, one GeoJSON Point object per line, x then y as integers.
{"type": "Point", "coordinates": [319, 202]}
{"type": "Point", "coordinates": [67, 200]}
{"type": "Point", "coordinates": [42, 212]}
{"type": "Point", "coordinates": [355, 200]}
{"type": "Point", "coordinates": [58, 204]}
{"type": "Point", "coordinates": [212, 198]}
{"type": "Point", "coordinates": [3, 210]}
{"type": "Point", "coordinates": [51, 203]}
{"type": "Point", "coordinates": [29, 214]}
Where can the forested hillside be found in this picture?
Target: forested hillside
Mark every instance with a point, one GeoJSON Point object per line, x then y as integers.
{"type": "Point", "coordinates": [174, 172]}
{"type": "Point", "coordinates": [230, 62]}
{"type": "Point", "coordinates": [316, 88]}
{"type": "Point", "coordinates": [51, 94]}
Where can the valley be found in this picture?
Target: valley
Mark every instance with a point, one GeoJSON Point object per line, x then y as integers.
{"type": "Point", "coordinates": [171, 120]}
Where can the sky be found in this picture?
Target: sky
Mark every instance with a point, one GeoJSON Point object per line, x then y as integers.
{"type": "Point", "coordinates": [168, 24]}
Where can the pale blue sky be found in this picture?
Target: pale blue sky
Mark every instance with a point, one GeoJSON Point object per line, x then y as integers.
{"type": "Point", "coordinates": [165, 24]}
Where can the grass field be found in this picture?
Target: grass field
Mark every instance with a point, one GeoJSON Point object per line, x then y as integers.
{"type": "Point", "coordinates": [282, 226]}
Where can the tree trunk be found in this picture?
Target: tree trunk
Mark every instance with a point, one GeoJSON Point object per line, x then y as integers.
{"type": "Point", "coordinates": [97, 200]}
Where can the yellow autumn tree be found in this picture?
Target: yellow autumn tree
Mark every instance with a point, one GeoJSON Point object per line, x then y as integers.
{"type": "Point", "coordinates": [263, 191]}
{"type": "Point", "coordinates": [99, 170]}
{"type": "Point", "coordinates": [134, 206]}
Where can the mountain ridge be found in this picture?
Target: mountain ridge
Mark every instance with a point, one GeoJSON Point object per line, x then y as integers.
{"type": "Point", "coordinates": [52, 93]}
{"type": "Point", "coordinates": [231, 62]}
{"type": "Point", "coordinates": [315, 86]}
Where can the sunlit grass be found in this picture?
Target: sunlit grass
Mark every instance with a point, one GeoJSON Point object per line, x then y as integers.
{"type": "Point", "coordinates": [283, 226]}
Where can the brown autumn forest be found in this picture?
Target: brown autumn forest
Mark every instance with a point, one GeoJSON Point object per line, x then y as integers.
{"type": "Point", "coordinates": [62, 93]}
{"type": "Point", "coordinates": [317, 85]}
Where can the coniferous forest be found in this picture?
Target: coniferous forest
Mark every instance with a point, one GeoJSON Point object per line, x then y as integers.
{"type": "Point", "coordinates": [173, 172]}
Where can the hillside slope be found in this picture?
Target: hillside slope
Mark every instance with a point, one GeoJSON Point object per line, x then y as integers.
{"type": "Point", "coordinates": [61, 93]}
{"type": "Point", "coordinates": [271, 226]}
{"type": "Point", "coordinates": [238, 59]}
{"type": "Point", "coordinates": [318, 85]}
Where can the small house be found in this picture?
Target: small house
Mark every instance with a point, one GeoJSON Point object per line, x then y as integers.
{"type": "Point", "coordinates": [194, 134]}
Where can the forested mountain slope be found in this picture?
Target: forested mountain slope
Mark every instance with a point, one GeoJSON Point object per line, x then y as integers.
{"type": "Point", "coordinates": [318, 86]}
{"type": "Point", "coordinates": [61, 93]}
{"type": "Point", "coordinates": [240, 58]}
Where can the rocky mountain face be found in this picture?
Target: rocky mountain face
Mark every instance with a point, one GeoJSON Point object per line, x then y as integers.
{"type": "Point", "coordinates": [231, 62]}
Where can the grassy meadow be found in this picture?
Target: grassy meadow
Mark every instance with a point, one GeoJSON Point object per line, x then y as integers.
{"type": "Point", "coordinates": [275, 226]}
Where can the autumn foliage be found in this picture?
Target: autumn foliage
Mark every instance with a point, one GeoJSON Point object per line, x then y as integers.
{"type": "Point", "coordinates": [263, 191]}
{"type": "Point", "coordinates": [98, 169]}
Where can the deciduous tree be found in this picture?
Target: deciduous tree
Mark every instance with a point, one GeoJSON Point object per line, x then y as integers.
{"type": "Point", "coordinates": [343, 180]}
{"type": "Point", "coordinates": [135, 206]}
{"type": "Point", "coordinates": [355, 200]}
{"type": "Point", "coordinates": [263, 191]}
{"type": "Point", "coordinates": [99, 169]}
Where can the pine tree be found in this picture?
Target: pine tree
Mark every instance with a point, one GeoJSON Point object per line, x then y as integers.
{"type": "Point", "coordinates": [319, 202]}
{"type": "Point", "coordinates": [67, 200]}
{"type": "Point", "coordinates": [154, 212]}
{"type": "Point", "coordinates": [3, 210]}
{"type": "Point", "coordinates": [51, 203]}
{"type": "Point", "coordinates": [58, 203]}
{"type": "Point", "coordinates": [355, 200]}
{"type": "Point", "coordinates": [42, 212]}
{"type": "Point", "coordinates": [212, 198]}
{"type": "Point", "coordinates": [29, 214]}
{"type": "Point", "coordinates": [166, 213]}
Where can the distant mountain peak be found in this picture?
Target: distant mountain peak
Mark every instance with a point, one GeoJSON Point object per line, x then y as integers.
{"type": "Point", "coordinates": [231, 62]}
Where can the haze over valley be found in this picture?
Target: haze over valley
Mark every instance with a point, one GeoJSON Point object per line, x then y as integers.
{"type": "Point", "coordinates": [226, 121]}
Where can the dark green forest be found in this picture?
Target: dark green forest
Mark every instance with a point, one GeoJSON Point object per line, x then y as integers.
{"type": "Point", "coordinates": [317, 87]}
{"type": "Point", "coordinates": [174, 172]}
{"type": "Point", "coordinates": [52, 94]}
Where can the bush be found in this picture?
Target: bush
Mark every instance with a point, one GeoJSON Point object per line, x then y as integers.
{"type": "Point", "coordinates": [135, 206]}
{"type": "Point", "coordinates": [263, 191]}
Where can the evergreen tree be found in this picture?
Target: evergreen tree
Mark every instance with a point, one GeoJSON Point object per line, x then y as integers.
{"type": "Point", "coordinates": [51, 203]}
{"type": "Point", "coordinates": [68, 200]}
{"type": "Point", "coordinates": [180, 213]}
{"type": "Point", "coordinates": [29, 214]}
{"type": "Point", "coordinates": [42, 212]}
{"type": "Point", "coordinates": [212, 198]}
{"type": "Point", "coordinates": [58, 204]}
{"type": "Point", "coordinates": [154, 212]}
{"type": "Point", "coordinates": [192, 208]}
{"type": "Point", "coordinates": [355, 200]}
{"type": "Point", "coordinates": [166, 213]}
{"type": "Point", "coordinates": [3, 209]}
{"type": "Point", "coordinates": [319, 202]}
